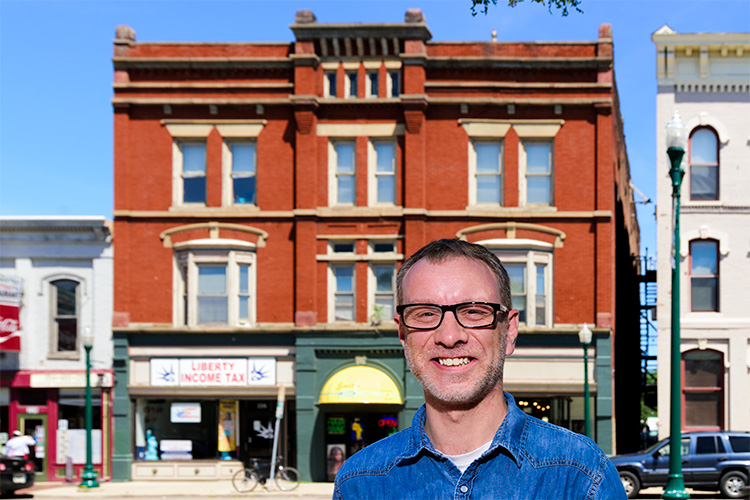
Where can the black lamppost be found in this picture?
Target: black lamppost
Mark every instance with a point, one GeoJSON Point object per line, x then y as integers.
{"type": "Point", "coordinates": [89, 474]}
{"type": "Point", "coordinates": [676, 145]}
{"type": "Point", "coordinates": [584, 336]}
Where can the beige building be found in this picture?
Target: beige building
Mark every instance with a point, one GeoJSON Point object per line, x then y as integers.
{"type": "Point", "coordinates": [706, 78]}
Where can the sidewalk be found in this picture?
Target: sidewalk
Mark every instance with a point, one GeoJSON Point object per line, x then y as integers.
{"type": "Point", "coordinates": [172, 489]}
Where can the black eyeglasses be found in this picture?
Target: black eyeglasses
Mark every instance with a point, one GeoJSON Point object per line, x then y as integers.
{"type": "Point", "coordinates": [468, 314]}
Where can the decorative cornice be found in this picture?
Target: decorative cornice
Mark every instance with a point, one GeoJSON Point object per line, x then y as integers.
{"type": "Point", "coordinates": [126, 63]}
{"type": "Point", "coordinates": [520, 62]}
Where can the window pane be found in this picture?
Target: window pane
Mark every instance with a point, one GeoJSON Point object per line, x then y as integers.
{"type": "Point", "coordinates": [540, 288]}
{"type": "Point", "coordinates": [374, 83]}
{"type": "Point", "coordinates": [703, 147]}
{"type": "Point", "coordinates": [345, 157]}
{"type": "Point", "coordinates": [343, 247]}
{"type": "Point", "coordinates": [384, 278]}
{"type": "Point", "coordinates": [331, 84]}
{"type": "Point", "coordinates": [212, 280]}
{"type": "Point", "coordinates": [488, 189]}
{"type": "Point", "coordinates": [193, 158]}
{"type": "Point", "coordinates": [386, 189]}
{"type": "Point", "coordinates": [705, 445]}
{"type": "Point", "coordinates": [194, 190]}
{"type": "Point", "coordinates": [344, 308]}
{"type": "Point", "coordinates": [244, 308]}
{"type": "Point", "coordinates": [517, 275]}
{"type": "Point", "coordinates": [519, 303]}
{"type": "Point", "coordinates": [386, 303]}
{"type": "Point", "coordinates": [244, 190]}
{"type": "Point", "coordinates": [66, 297]}
{"type": "Point", "coordinates": [538, 190]}
{"type": "Point", "coordinates": [488, 157]}
{"type": "Point", "coordinates": [243, 157]}
{"type": "Point", "coordinates": [537, 158]}
{"type": "Point", "coordinates": [740, 444]}
{"type": "Point", "coordinates": [344, 279]}
{"type": "Point", "coordinates": [352, 84]}
{"type": "Point", "coordinates": [384, 154]}
{"type": "Point", "coordinates": [703, 296]}
{"type": "Point", "coordinates": [704, 182]}
{"type": "Point", "coordinates": [703, 257]}
{"type": "Point", "coordinates": [395, 84]}
{"type": "Point", "coordinates": [703, 369]}
{"type": "Point", "coordinates": [67, 330]}
{"type": "Point", "coordinates": [212, 310]}
{"type": "Point", "coordinates": [345, 189]}
{"type": "Point", "coordinates": [382, 247]}
{"type": "Point", "coordinates": [244, 278]}
{"type": "Point", "coordinates": [703, 409]}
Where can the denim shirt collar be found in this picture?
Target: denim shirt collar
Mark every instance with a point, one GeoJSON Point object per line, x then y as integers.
{"type": "Point", "coordinates": [510, 436]}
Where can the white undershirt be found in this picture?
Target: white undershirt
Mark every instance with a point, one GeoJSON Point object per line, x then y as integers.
{"type": "Point", "coordinates": [463, 461]}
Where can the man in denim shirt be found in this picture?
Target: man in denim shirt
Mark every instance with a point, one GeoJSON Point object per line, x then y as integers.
{"type": "Point", "coordinates": [469, 440]}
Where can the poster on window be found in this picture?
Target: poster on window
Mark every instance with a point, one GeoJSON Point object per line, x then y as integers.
{"type": "Point", "coordinates": [185, 413]}
{"type": "Point", "coordinates": [11, 289]}
{"type": "Point", "coordinates": [227, 427]}
{"type": "Point", "coordinates": [72, 443]}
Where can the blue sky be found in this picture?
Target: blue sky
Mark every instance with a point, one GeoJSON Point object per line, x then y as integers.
{"type": "Point", "coordinates": [56, 73]}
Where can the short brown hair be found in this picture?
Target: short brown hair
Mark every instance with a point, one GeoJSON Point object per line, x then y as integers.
{"type": "Point", "coordinates": [441, 250]}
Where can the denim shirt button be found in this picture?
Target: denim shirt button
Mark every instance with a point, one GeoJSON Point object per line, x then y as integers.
{"type": "Point", "coordinates": [464, 488]}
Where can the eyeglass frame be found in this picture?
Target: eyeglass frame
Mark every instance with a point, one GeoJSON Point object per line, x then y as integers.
{"type": "Point", "coordinates": [497, 308]}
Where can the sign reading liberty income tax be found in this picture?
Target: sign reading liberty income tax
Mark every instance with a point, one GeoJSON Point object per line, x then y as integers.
{"type": "Point", "coordinates": [213, 371]}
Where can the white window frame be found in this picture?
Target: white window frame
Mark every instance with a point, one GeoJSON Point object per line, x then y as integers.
{"type": "Point", "coordinates": [399, 83]}
{"type": "Point", "coordinates": [53, 330]}
{"type": "Point", "coordinates": [188, 258]}
{"type": "Point", "coordinates": [369, 91]}
{"type": "Point", "coordinates": [373, 174]}
{"type": "Point", "coordinates": [333, 291]}
{"type": "Point", "coordinates": [327, 74]}
{"type": "Point", "coordinates": [228, 174]}
{"type": "Point", "coordinates": [333, 173]}
{"type": "Point", "coordinates": [523, 174]}
{"type": "Point", "coordinates": [352, 76]}
{"type": "Point", "coordinates": [531, 253]}
{"type": "Point", "coordinates": [179, 174]}
{"type": "Point", "coordinates": [474, 174]}
{"type": "Point", "coordinates": [380, 258]}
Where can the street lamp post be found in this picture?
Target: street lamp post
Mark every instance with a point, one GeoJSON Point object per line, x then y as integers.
{"type": "Point", "coordinates": [89, 475]}
{"type": "Point", "coordinates": [676, 144]}
{"type": "Point", "coordinates": [584, 336]}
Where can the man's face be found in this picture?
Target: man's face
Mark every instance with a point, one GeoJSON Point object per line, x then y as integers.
{"type": "Point", "coordinates": [456, 366]}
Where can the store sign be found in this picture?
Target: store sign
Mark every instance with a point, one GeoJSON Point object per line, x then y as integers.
{"type": "Point", "coordinates": [185, 413]}
{"type": "Point", "coordinates": [192, 372]}
{"type": "Point", "coordinates": [11, 289]}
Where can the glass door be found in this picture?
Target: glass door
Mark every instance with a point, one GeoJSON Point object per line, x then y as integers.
{"type": "Point", "coordinates": [36, 426]}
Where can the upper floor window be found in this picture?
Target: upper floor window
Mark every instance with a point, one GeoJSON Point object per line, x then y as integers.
{"type": "Point", "coordinates": [330, 83]}
{"type": "Point", "coordinates": [704, 275]}
{"type": "Point", "coordinates": [343, 297]}
{"type": "Point", "coordinates": [215, 287]}
{"type": "Point", "coordinates": [704, 165]}
{"type": "Point", "coordinates": [242, 173]}
{"type": "Point", "coordinates": [192, 160]}
{"type": "Point", "coordinates": [486, 170]}
{"type": "Point", "coordinates": [65, 316]}
{"type": "Point", "coordinates": [537, 167]}
{"type": "Point", "coordinates": [372, 83]}
{"type": "Point", "coordinates": [703, 373]}
{"type": "Point", "coordinates": [351, 84]}
{"type": "Point", "coordinates": [343, 168]}
{"type": "Point", "coordinates": [394, 83]}
{"type": "Point", "coordinates": [530, 273]}
{"type": "Point", "coordinates": [382, 296]}
{"type": "Point", "coordinates": [382, 172]}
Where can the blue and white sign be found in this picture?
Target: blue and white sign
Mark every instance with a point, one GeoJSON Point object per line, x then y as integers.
{"type": "Point", "coordinates": [261, 371]}
{"type": "Point", "coordinates": [213, 371]}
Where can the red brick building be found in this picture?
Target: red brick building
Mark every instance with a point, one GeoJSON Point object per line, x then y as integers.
{"type": "Point", "coordinates": [266, 193]}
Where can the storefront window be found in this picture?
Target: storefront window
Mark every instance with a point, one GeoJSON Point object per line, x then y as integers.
{"type": "Point", "coordinates": [177, 430]}
{"type": "Point", "coordinates": [347, 433]}
{"type": "Point", "coordinates": [71, 409]}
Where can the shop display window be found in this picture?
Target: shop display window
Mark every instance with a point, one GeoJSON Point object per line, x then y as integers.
{"type": "Point", "coordinates": [347, 433]}
{"type": "Point", "coordinates": [180, 430]}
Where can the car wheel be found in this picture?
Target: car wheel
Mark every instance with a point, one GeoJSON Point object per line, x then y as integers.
{"type": "Point", "coordinates": [630, 482]}
{"type": "Point", "coordinates": [732, 484]}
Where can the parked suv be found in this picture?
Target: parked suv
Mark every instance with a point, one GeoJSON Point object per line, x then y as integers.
{"type": "Point", "coordinates": [711, 460]}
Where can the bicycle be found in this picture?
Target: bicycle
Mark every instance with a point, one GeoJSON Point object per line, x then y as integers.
{"type": "Point", "coordinates": [245, 480]}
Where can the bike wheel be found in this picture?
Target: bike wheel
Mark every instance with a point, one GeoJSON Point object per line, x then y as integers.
{"type": "Point", "coordinates": [245, 480]}
{"type": "Point", "coordinates": [287, 478]}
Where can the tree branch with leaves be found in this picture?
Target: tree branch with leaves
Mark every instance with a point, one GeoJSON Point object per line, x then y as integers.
{"type": "Point", "coordinates": [482, 6]}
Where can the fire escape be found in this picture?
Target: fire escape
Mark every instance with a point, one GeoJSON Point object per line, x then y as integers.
{"type": "Point", "coordinates": [647, 279]}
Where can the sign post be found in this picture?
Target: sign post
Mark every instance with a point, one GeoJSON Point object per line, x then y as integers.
{"type": "Point", "coordinates": [279, 416]}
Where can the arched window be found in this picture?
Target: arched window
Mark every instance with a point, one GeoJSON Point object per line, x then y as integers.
{"type": "Point", "coordinates": [704, 164]}
{"type": "Point", "coordinates": [703, 392]}
{"type": "Point", "coordinates": [704, 275]}
{"type": "Point", "coordinates": [64, 309]}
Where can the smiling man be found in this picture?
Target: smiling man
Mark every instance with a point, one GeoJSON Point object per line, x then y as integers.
{"type": "Point", "coordinates": [469, 440]}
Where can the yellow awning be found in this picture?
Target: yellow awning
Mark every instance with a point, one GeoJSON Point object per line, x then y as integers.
{"type": "Point", "coordinates": [360, 384]}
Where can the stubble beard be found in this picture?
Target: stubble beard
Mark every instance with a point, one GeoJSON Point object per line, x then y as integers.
{"type": "Point", "coordinates": [457, 395]}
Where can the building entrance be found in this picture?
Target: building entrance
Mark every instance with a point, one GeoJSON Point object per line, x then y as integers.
{"type": "Point", "coordinates": [35, 425]}
{"type": "Point", "coordinates": [347, 433]}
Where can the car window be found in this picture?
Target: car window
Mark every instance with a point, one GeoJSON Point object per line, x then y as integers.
{"type": "Point", "coordinates": [705, 445]}
{"type": "Point", "coordinates": [720, 444]}
{"type": "Point", "coordinates": [740, 444]}
{"type": "Point", "coordinates": [664, 451]}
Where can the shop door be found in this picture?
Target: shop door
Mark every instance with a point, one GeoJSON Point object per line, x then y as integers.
{"type": "Point", "coordinates": [347, 433]}
{"type": "Point", "coordinates": [36, 426]}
